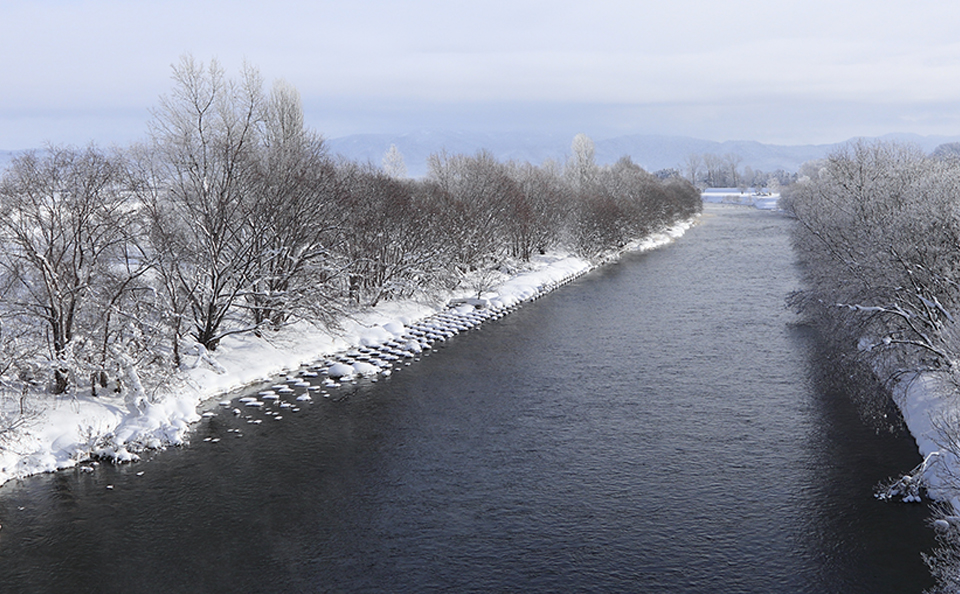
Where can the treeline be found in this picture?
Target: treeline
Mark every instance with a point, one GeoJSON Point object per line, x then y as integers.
{"type": "Point", "coordinates": [709, 170]}
{"type": "Point", "coordinates": [233, 218]}
{"type": "Point", "coordinates": [878, 241]}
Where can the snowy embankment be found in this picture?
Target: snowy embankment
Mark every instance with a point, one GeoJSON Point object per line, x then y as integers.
{"type": "Point", "coordinates": [751, 197]}
{"type": "Point", "coordinates": [928, 404]}
{"type": "Point", "coordinates": [64, 432]}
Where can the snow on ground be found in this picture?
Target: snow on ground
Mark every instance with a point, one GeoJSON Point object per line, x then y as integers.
{"type": "Point", "coordinates": [66, 431]}
{"type": "Point", "coordinates": [927, 403]}
{"type": "Point", "coordinates": [751, 197]}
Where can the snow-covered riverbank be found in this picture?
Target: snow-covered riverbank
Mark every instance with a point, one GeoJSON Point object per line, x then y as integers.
{"type": "Point", "coordinates": [928, 405]}
{"type": "Point", "coordinates": [62, 432]}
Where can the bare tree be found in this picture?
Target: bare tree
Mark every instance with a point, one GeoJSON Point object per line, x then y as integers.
{"type": "Point", "coordinates": [477, 192]}
{"type": "Point", "coordinates": [63, 224]}
{"type": "Point", "coordinates": [207, 133]}
{"type": "Point", "coordinates": [393, 243]}
{"type": "Point", "coordinates": [295, 218]}
{"type": "Point", "coordinates": [732, 174]}
{"type": "Point", "coordinates": [692, 168]}
{"type": "Point", "coordinates": [715, 170]}
{"type": "Point", "coordinates": [539, 212]}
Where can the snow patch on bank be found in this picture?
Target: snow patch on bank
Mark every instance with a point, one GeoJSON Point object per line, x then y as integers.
{"type": "Point", "coordinates": [927, 404]}
{"type": "Point", "coordinates": [63, 432]}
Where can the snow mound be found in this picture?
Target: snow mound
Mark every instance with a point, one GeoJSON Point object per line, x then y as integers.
{"type": "Point", "coordinates": [340, 370]}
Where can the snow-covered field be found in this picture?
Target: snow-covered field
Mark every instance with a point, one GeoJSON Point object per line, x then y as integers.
{"type": "Point", "coordinates": [750, 197]}
{"type": "Point", "coordinates": [66, 431]}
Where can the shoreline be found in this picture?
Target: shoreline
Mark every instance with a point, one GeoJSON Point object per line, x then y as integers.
{"type": "Point", "coordinates": [62, 433]}
{"type": "Point", "coordinates": [925, 402]}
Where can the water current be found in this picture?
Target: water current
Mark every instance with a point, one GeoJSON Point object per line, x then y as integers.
{"type": "Point", "coordinates": [660, 425]}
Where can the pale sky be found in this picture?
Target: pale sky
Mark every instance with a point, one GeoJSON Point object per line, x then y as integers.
{"type": "Point", "coordinates": [788, 72]}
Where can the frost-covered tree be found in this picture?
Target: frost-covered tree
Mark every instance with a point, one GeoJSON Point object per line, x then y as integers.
{"type": "Point", "coordinates": [949, 151]}
{"type": "Point", "coordinates": [65, 231]}
{"type": "Point", "coordinates": [393, 163]}
{"type": "Point", "coordinates": [877, 233]}
{"type": "Point", "coordinates": [295, 217]}
{"type": "Point", "coordinates": [206, 133]}
{"type": "Point", "coordinates": [582, 167]}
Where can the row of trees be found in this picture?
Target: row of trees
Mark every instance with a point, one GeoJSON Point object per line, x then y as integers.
{"type": "Point", "coordinates": [233, 218]}
{"type": "Point", "coordinates": [878, 240]}
{"type": "Point", "coordinates": [879, 243]}
{"type": "Point", "coordinates": [709, 170]}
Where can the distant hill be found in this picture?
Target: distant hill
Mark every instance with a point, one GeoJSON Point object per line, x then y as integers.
{"type": "Point", "coordinates": [663, 152]}
{"type": "Point", "coordinates": [416, 147]}
{"type": "Point", "coordinates": [652, 152]}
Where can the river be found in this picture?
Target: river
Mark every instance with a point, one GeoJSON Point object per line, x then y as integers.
{"type": "Point", "coordinates": [660, 425]}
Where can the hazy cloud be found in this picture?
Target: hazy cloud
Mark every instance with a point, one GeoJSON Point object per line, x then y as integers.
{"type": "Point", "coordinates": [74, 71]}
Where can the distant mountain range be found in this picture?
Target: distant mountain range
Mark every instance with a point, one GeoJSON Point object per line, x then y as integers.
{"type": "Point", "coordinates": [652, 152]}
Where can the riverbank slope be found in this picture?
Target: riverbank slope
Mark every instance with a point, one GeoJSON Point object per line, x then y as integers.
{"type": "Point", "coordinates": [60, 432]}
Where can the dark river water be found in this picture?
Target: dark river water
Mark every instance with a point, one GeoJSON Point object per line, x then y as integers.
{"type": "Point", "coordinates": [660, 425]}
